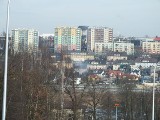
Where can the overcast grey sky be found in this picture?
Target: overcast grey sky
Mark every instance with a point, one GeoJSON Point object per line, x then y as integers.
{"type": "Point", "coordinates": [126, 17]}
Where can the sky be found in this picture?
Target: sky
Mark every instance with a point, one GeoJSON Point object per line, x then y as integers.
{"type": "Point", "coordinates": [127, 17]}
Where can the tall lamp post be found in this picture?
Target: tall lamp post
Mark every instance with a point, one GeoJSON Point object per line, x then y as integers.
{"type": "Point", "coordinates": [6, 66]}
{"type": "Point", "coordinates": [153, 93]}
{"type": "Point", "coordinates": [116, 105]}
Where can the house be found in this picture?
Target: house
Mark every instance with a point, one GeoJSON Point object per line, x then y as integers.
{"type": "Point", "coordinates": [115, 73]}
{"type": "Point", "coordinates": [136, 71]}
{"type": "Point", "coordinates": [100, 72]}
{"type": "Point", "coordinates": [93, 77]}
{"type": "Point", "coordinates": [121, 75]}
{"type": "Point", "coordinates": [123, 65]}
{"type": "Point", "coordinates": [156, 38]}
{"type": "Point", "coordinates": [113, 56]}
{"type": "Point", "coordinates": [145, 61]}
{"type": "Point", "coordinates": [80, 56]}
{"type": "Point", "coordinates": [59, 63]}
{"type": "Point", "coordinates": [96, 64]}
{"type": "Point", "coordinates": [130, 76]}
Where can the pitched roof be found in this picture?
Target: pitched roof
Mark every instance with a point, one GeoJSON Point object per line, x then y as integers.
{"type": "Point", "coordinates": [121, 74]}
{"type": "Point", "coordinates": [157, 39]}
{"type": "Point", "coordinates": [119, 62]}
{"type": "Point", "coordinates": [116, 53]}
{"type": "Point", "coordinates": [146, 60]}
{"type": "Point", "coordinates": [100, 62]}
{"type": "Point", "coordinates": [115, 72]}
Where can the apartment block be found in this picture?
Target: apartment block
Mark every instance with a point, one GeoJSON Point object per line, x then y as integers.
{"type": "Point", "coordinates": [101, 48]}
{"type": "Point", "coordinates": [124, 47]}
{"type": "Point", "coordinates": [67, 38]}
{"type": "Point", "coordinates": [25, 40]}
{"type": "Point", "coordinates": [152, 47]}
{"type": "Point", "coordinates": [98, 35]}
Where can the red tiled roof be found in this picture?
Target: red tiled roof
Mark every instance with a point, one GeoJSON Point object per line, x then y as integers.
{"type": "Point", "coordinates": [93, 76]}
{"type": "Point", "coordinates": [157, 38]}
{"type": "Point", "coordinates": [121, 74]}
{"type": "Point", "coordinates": [129, 75]}
{"type": "Point", "coordinates": [115, 72]}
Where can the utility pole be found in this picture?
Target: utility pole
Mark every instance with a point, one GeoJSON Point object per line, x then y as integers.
{"type": "Point", "coordinates": [6, 66]}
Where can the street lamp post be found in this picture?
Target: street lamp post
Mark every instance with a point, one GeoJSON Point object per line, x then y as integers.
{"type": "Point", "coordinates": [153, 93]}
{"type": "Point", "coordinates": [116, 105]}
{"type": "Point", "coordinates": [6, 66]}
{"type": "Point", "coordinates": [116, 112]}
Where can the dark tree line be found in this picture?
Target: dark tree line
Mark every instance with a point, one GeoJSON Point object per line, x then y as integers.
{"type": "Point", "coordinates": [27, 95]}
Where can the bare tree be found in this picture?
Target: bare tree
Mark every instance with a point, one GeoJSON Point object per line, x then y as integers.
{"type": "Point", "coordinates": [108, 103]}
{"type": "Point", "coordinates": [95, 95]}
{"type": "Point", "coordinates": [74, 94]}
{"type": "Point", "coordinates": [27, 91]}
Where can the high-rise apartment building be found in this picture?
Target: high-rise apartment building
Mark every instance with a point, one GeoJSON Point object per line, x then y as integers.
{"type": "Point", "coordinates": [67, 38]}
{"type": "Point", "coordinates": [25, 40]}
{"type": "Point", "coordinates": [98, 35]}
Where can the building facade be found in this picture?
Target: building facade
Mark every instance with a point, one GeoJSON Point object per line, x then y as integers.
{"type": "Point", "coordinates": [152, 47]}
{"type": "Point", "coordinates": [113, 56]}
{"type": "Point", "coordinates": [67, 38]}
{"type": "Point", "coordinates": [98, 35]}
{"type": "Point", "coordinates": [124, 47]}
{"type": "Point", "coordinates": [25, 40]}
{"type": "Point", "coordinates": [145, 61]}
{"type": "Point", "coordinates": [101, 48]}
{"type": "Point", "coordinates": [80, 56]}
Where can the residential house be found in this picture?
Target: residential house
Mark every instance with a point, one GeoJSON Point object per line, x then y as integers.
{"type": "Point", "coordinates": [117, 74]}
{"type": "Point", "coordinates": [113, 56]}
{"type": "Point", "coordinates": [96, 64]}
{"type": "Point", "coordinates": [123, 65]}
{"type": "Point", "coordinates": [145, 61]}
{"type": "Point", "coordinates": [80, 56]}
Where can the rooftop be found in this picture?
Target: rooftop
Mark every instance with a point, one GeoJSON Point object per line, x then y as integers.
{"type": "Point", "coordinates": [116, 53]}
{"type": "Point", "coordinates": [146, 60]}
{"type": "Point", "coordinates": [157, 38]}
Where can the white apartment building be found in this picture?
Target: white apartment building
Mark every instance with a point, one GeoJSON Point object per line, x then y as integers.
{"type": "Point", "coordinates": [114, 46]}
{"type": "Point", "coordinates": [98, 35]}
{"type": "Point", "coordinates": [25, 40]}
{"type": "Point", "coordinates": [152, 47]}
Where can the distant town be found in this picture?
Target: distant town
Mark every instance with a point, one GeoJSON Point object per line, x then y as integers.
{"type": "Point", "coordinates": [84, 62]}
{"type": "Point", "coordinates": [93, 49]}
